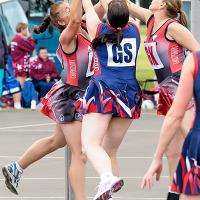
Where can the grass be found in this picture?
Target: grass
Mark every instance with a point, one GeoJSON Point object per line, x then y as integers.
{"type": "Point", "coordinates": [144, 68]}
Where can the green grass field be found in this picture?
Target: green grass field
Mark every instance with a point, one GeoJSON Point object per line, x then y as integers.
{"type": "Point", "coordinates": [144, 69]}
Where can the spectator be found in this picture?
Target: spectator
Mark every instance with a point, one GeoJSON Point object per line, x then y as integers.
{"type": "Point", "coordinates": [43, 72]}
{"type": "Point", "coordinates": [29, 95]}
{"type": "Point", "coordinates": [8, 84]}
{"type": "Point", "coordinates": [22, 46]}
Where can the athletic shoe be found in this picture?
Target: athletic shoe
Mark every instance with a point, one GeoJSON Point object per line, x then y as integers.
{"type": "Point", "coordinates": [12, 175]}
{"type": "Point", "coordinates": [107, 187]}
{"type": "Point", "coordinates": [33, 105]}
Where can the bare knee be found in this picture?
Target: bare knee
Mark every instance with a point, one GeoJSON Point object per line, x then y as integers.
{"type": "Point", "coordinates": [54, 144]}
{"type": "Point", "coordinates": [79, 156]}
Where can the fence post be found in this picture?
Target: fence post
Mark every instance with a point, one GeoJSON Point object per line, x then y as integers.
{"type": "Point", "coordinates": [68, 190]}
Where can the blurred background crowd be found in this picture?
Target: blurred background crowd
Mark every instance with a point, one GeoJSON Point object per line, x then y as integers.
{"type": "Point", "coordinates": [28, 63]}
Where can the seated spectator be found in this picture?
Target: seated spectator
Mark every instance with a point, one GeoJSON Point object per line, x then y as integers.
{"type": "Point", "coordinates": [22, 46]}
{"type": "Point", "coordinates": [29, 97]}
{"type": "Point", "coordinates": [43, 72]}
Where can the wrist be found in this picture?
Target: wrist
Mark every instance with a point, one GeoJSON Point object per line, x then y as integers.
{"type": "Point", "coordinates": [158, 156]}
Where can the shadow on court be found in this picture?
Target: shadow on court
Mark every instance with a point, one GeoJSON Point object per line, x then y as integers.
{"type": "Point", "coordinates": [45, 179]}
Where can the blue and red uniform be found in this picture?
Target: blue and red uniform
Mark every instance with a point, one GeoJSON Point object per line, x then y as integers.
{"type": "Point", "coordinates": [166, 57]}
{"type": "Point", "coordinates": [114, 89]}
{"type": "Point", "coordinates": [58, 104]}
{"type": "Point", "coordinates": [187, 177]}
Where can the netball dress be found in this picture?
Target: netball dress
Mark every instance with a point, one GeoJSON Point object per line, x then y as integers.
{"type": "Point", "coordinates": [58, 104]}
{"type": "Point", "coordinates": [166, 57]}
{"type": "Point", "coordinates": [187, 177]}
{"type": "Point", "coordinates": [114, 89]}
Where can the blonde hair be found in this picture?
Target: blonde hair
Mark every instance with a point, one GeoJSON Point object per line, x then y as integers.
{"type": "Point", "coordinates": [21, 26]}
{"type": "Point", "coordinates": [174, 10]}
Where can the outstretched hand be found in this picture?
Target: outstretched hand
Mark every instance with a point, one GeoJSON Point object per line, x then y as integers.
{"type": "Point", "coordinates": [154, 169]}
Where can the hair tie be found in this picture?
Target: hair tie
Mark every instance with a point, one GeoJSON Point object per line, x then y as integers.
{"type": "Point", "coordinates": [179, 11]}
{"type": "Point", "coordinates": [119, 28]}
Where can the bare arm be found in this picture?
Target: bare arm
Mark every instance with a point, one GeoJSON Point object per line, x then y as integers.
{"type": "Point", "coordinates": [138, 12]}
{"type": "Point", "coordinates": [99, 10]}
{"type": "Point", "coordinates": [182, 35]}
{"type": "Point", "coordinates": [69, 33]}
{"type": "Point", "coordinates": [92, 19]}
{"type": "Point", "coordinates": [173, 119]}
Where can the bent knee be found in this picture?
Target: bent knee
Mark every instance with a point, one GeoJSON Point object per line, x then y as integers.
{"type": "Point", "coordinates": [54, 144]}
{"type": "Point", "coordinates": [79, 156]}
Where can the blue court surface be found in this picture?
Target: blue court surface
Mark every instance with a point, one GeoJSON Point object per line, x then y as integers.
{"type": "Point", "coordinates": [45, 179]}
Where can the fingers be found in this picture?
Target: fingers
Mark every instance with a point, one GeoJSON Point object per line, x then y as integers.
{"type": "Point", "coordinates": [158, 174]}
{"type": "Point", "coordinates": [147, 181]}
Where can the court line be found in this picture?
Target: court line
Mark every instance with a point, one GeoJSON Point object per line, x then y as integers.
{"type": "Point", "coordinates": [62, 157]}
{"type": "Point", "coordinates": [88, 177]}
{"type": "Point", "coordinates": [50, 130]}
{"type": "Point", "coordinates": [24, 126]}
{"type": "Point", "coordinates": [127, 198]}
{"type": "Point", "coordinates": [31, 197]}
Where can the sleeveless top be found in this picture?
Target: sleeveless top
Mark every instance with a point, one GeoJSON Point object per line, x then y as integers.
{"type": "Point", "coordinates": [166, 56]}
{"type": "Point", "coordinates": [78, 65]}
{"type": "Point", "coordinates": [114, 61]}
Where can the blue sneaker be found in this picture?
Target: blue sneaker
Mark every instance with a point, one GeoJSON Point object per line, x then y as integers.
{"type": "Point", "coordinates": [12, 176]}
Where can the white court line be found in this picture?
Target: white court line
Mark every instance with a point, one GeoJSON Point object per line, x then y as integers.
{"type": "Point", "coordinates": [50, 130]}
{"type": "Point", "coordinates": [89, 177]}
{"type": "Point", "coordinates": [62, 157]}
{"type": "Point", "coordinates": [137, 198]}
{"type": "Point", "coordinates": [127, 198]}
{"type": "Point", "coordinates": [143, 131]}
{"type": "Point", "coordinates": [31, 197]}
{"type": "Point", "coordinates": [24, 126]}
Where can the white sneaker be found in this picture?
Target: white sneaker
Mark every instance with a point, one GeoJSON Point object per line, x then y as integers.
{"type": "Point", "coordinates": [17, 106]}
{"type": "Point", "coordinates": [33, 105]}
{"type": "Point", "coordinates": [107, 187]}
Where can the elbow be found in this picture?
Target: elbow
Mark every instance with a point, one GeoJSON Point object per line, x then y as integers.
{"type": "Point", "coordinates": [175, 116]}
{"type": "Point", "coordinates": [76, 22]}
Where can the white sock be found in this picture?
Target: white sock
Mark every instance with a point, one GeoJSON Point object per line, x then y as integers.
{"type": "Point", "coordinates": [106, 175]}
{"type": "Point", "coordinates": [33, 104]}
{"type": "Point", "coordinates": [17, 105]}
{"type": "Point", "coordinates": [18, 167]}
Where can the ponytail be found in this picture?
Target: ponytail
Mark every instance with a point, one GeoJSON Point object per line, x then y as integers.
{"type": "Point", "coordinates": [113, 38]}
{"type": "Point", "coordinates": [183, 18]}
{"type": "Point", "coordinates": [43, 27]}
{"type": "Point", "coordinates": [174, 10]}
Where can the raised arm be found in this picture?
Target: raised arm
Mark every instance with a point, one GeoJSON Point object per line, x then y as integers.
{"type": "Point", "coordinates": [138, 12]}
{"type": "Point", "coordinates": [173, 120]}
{"type": "Point", "coordinates": [182, 35]}
{"type": "Point", "coordinates": [92, 18]}
{"type": "Point", "coordinates": [68, 34]}
{"type": "Point", "coordinates": [135, 11]}
{"type": "Point", "coordinates": [99, 10]}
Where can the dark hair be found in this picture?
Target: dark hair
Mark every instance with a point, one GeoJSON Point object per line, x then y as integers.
{"type": "Point", "coordinates": [118, 17]}
{"type": "Point", "coordinates": [42, 48]}
{"type": "Point", "coordinates": [52, 18]}
{"type": "Point", "coordinates": [174, 10]}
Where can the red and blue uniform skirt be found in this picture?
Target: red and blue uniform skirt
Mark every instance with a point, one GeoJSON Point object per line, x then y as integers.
{"type": "Point", "coordinates": [121, 98]}
{"type": "Point", "coordinates": [167, 92]}
{"type": "Point", "coordinates": [187, 177]}
{"type": "Point", "coordinates": [58, 104]}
